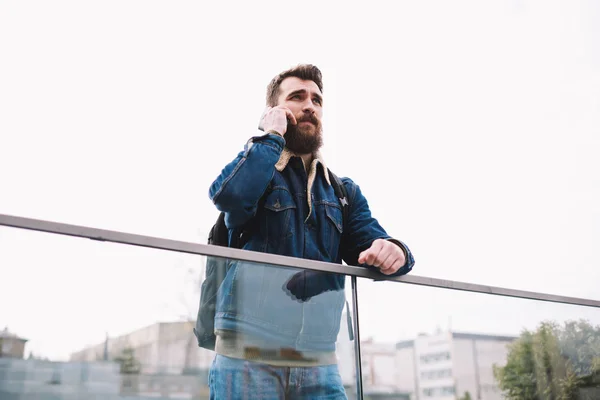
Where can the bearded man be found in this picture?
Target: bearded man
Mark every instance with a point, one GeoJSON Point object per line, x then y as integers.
{"type": "Point", "coordinates": [276, 328]}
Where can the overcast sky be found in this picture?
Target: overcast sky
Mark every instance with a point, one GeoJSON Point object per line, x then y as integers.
{"type": "Point", "coordinates": [472, 127]}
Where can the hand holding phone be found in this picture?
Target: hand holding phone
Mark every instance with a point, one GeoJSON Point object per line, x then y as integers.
{"type": "Point", "coordinates": [275, 120]}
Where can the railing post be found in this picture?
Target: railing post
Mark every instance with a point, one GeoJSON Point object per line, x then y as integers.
{"type": "Point", "coordinates": [357, 357]}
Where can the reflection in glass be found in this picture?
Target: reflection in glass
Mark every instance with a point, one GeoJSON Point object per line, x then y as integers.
{"type": "Point", "coordinates": [272, 327]}
{"type": "Point", "coordinates": [444, 344]}
{"type": "Point", "coordinates": [554, 361]}
{"type": "Point", "coordinates": [83, 319]}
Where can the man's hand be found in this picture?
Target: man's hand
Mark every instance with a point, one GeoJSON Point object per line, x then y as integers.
{"type": "Point", "coordinates": [306, 284]}
{"type": "Point", "coordinates": [275, 120]}
{"type": "Point", "coordinates": [385, 255]}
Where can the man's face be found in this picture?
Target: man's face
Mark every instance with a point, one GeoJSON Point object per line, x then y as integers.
{"type": "Point", "coordinates": [305, 101]}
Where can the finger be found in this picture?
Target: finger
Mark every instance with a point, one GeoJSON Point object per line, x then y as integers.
{"type": "Point", "coordinates": [381, 257]}
{"type": "Point", "coordinates": [391, 264]}
{"type": "Point", "coordinates": [367, 256]}
{"type": "Point", "coordinates": [265, 113]}
{"type": "Point", "coordinates": [393, 268]}
{"type": "Point", "coordinates": [261, 122]}
{"type": "Point", "coordinates": [386, 259]}
{"type": "Point", "coordinates": [372, 256]}
{"type": "Point", "coordinates": [375, 254]}
{"type": "Point", "coordinates": [290, 116]}
{"type": "Point", "coordinates": [362, 257]}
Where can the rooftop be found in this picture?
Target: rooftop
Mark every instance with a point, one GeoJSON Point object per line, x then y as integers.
{"type": "Point", "coordinates": [6, 334]}
{"type": "Point", "coordinates": [462, 335]}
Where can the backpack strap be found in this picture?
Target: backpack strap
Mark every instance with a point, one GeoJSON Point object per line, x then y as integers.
{"type": "Point", "coordinates": [342, 195]}
{"type": "Point", "coordinates": [218, 235]}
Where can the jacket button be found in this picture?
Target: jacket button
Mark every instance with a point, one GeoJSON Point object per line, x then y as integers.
{"type": "Point", "coordinates": [277, 205]}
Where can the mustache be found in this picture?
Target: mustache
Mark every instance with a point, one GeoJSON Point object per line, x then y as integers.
{"type": "Point", "coordinates": [308, 118]}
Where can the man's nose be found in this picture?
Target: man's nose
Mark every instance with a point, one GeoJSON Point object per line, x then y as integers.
{"type": "Point", "coordinates": [308, 107]}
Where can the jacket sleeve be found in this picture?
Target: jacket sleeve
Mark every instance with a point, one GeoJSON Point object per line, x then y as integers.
{"type": "Point", "coordinates": [362, 230]}
{"type": "Point", "coordinates": [242, 182]}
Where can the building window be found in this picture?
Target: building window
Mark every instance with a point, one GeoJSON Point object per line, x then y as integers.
{"type": "Point", "coordinates": [439, 391]}
{"type": "Point", "coordinates": [435, 357]}
{"type": "Point", "coordinates": [436, 374]}
{"type": "Point", "coordinates": [448, 390]}
{"type": "Point", "coordinates": [6, 346]}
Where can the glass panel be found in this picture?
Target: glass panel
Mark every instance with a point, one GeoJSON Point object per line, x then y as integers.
{"type": "Point", "coordinates": [82, 319]}
{"type": "Point", "coordinates": [432, 344]}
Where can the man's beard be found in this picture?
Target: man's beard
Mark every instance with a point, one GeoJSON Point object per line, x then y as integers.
{"type": "Point", "coordinates": [304, 139]}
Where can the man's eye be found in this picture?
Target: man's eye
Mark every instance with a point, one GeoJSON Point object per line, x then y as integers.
{"type": "Point", "coordinates": [318, 101]}
{"type": "Point", "coordinates": [294, 97]}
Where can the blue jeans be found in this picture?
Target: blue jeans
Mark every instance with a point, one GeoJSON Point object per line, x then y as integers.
{"type": "Point", "coordinates": [232, 378]}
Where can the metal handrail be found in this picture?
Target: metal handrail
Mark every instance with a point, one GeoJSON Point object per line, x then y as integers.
{"type": "Point", "coordinates": [277, 260]}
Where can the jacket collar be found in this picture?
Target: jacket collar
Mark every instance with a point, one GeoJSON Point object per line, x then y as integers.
{"type": "Point", "coordinates": [287, 155]}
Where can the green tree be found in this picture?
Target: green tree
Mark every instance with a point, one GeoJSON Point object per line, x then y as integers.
{"type": "Point", "coordinates": [466, 396]}
{"type": "Point", "coordinates": [552, 363]}
{"type": "Point", "coordinates": [129, 364]}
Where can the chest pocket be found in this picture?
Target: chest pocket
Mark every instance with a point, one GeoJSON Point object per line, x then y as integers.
{"type": "Point", "coordinates": [279, 210]}
{"type": "Point", "coordinates": [334, 214]}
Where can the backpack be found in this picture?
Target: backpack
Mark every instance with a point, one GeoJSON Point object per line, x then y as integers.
{"type": "Point", "coordinates": [217, 268]}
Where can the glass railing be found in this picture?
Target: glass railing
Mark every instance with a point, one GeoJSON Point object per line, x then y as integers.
{"type": "Point", "coordinates": [90, 319]}
{"type": "Point", "coordinates": [133, 317]}
{"type": "Point", "coordinates": [431, 343]}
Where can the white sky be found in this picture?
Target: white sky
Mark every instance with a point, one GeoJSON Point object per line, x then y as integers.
{"type": "Point", "coordinates": [472, 127]}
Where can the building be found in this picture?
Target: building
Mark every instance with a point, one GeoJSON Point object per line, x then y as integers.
{"type": "Point", "coordinates": [379, 367]}
{"type": "Point", "coordinates": [168, 364]}
{"type": "Point", "coordinates": [406, 368]}
{"type": "Point", "coordinates": [33, 379]}
{"type": "Point", "coordinates": [46, 380]}
{"type": "Point", "coordinates": [449, 364]}
{"type": "Point", "coordinates": [161, 348]}
{"type": "Point", "coordinates": [171, 364]}
{"type": "Point", "coordinates": [442, 366]}
{"type": "Point", "coordinates": [11, 346]}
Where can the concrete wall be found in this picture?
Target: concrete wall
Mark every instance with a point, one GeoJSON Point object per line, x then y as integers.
{"type": "Point", "coordinates": [346, 362]}
{"type": "Point", "coordinates": [141, 340]}
{"type": "Point", "coordinates": [490, 353]}
{"type": "Point", "coordinates": [12, 347]}
{"type": "Point", "coordinates": [45, 380]}
{"type": "Point", "coordinates": [165, 348]}
{"type": "Point", "coordinates": [473, 367]}
{"type": "Point", "coordinates": [406, 380]}
{"type": "Point", "coordinates": [378, 365]}
{"type": "Point", "coordinates": [35, 379]}
{"type": "Point", "coordinates": [434, 354]}
{"type": "Point", "coordinates": [464, 368]}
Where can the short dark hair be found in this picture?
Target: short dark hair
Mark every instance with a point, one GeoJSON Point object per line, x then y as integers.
{"type": "Point", "coordinates": [306, 72]}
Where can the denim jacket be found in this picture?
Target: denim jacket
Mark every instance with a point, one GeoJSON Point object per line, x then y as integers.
{"type": "Point", "coordinates": [255, 299]}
